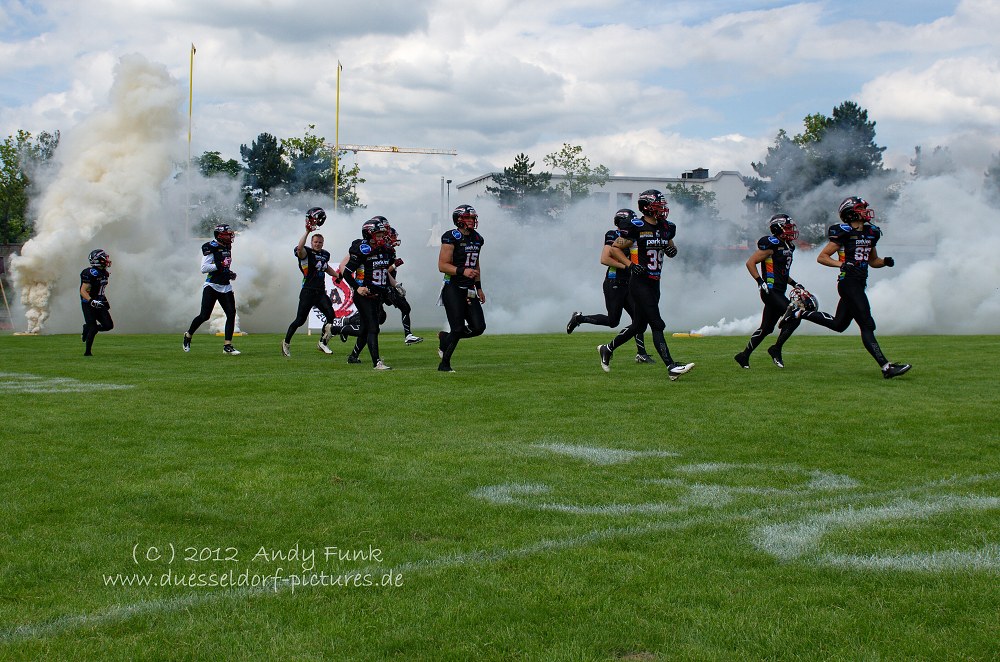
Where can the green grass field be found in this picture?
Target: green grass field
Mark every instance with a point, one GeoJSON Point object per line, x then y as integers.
{"type": "Point", "coordinates": [528, 506]}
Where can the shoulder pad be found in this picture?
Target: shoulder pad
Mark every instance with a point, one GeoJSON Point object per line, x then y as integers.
{"type": "Point", "coordinates": [457, 234]}
{"type": "Point", "coordinates": [875, 230]}
{"type": "Point", "coordinates": [365, 248]}
{"type": "Point", "coordinates": [94, 272]}
{"type": "Point", "coordinates": [208, 247]}
{"type": "Point", "coordinates": [767, 243]}
{"type": "Point", "coordinates": [638, 222]}
{"type": "Point", "coordinates": [838, 230]}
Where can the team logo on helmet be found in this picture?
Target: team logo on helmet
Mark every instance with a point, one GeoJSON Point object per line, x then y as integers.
{"type": "Point", "coordinates": [855, 208]}
{"type": "Point", "coordinates": [783, 227]}
{"type": "Point", "coordinates": [465, 216]}
{"type": "Point", "coordinates": [653, 204]}
{"type": "Point", "coordinates": [99, 259]}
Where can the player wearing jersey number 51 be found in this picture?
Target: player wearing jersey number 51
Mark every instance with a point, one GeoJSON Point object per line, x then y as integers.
{"type": "Point", "coordinates": [853, 241]}
{"type": "Point", "coordinates": [462, 294]}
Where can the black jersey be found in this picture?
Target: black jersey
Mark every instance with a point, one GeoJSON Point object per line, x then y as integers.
{"type": "Point", "coordinates": [855, 246]}
{"type": "Point", "coordinates": [98, 281]}
{"type": "Point", "coordinates": [648, 243]}
{"type": "Point", "coordinates": [221, 257]}
{"type": "Point", "coordinates": [313, 268]}
{"type": "Point", "coordinates": [467, 248]}
{"type": "Point", "coordinates": [370, 264]}
{"type": "Point", "coordinates": [778, 266]}
{"type": "Point", "coordinates": [614, 274]}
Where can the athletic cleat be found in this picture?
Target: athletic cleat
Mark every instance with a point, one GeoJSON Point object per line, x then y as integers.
{"type": "Point", "coordinates": [323, 348]}
{"type": "Point", "coordinates": [353, 359]}
{"type": "Point", "coordinates": [441, 337]}
{"type": "Point", "coordinates": [743, 360]}
{"type": "Point", "coordinates": [445, 368]}
{"type": "Point", "coordinates": [286, 350]}
{"type": "Point", "coordinates": [644, 358]}
{"type": "Point", "coordinates": [606, 354]}
{"type": "Point", "coordinates": [229, 349]}
{"type": "Point", "coordinates": [412, 339]}
{"type": "Point", "coordinates": [675, 370]}
{"type": "Point", "coordinates": [187, 342]}
{"type": "Point", "coordinates": [574, 322]}
{"type": "Point", "coordinates": [776, 356]}
{"type": "Point", "coordinates": [380, 366]}
{"type": "Point", "coordinates": [327, 332]}
{"type": "Point", "coordinates": [895, 370]}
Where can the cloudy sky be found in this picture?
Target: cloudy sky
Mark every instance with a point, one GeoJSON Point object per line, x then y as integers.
{"type": "Point", "coordinates": [646, 87]}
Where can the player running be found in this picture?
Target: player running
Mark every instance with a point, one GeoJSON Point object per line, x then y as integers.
{"type": "Point", "coordinates": [216, 260]}
{"type": "Point", "coordinates": [462, 293]}
{"type": "Point", "coordinates": [96, 309]}
{"type": "Point", "coordinates": [314, 263]}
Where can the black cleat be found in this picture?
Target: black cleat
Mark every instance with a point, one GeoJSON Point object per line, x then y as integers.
{"type": "Point", "coordinates": [776, 356]}
{"type": "Point", "coordinates": [606, 354]}
{"type": "Point", "coordinates": [353, 359]}
{"type": "Point", "coordinates": [895, 370]}
{"type": "Point", "coordinates": [187, 342]}
{"type": "Point", "coordinates": [743, 360]}
{"type": "Point", "coordinates": [644, 358]}
{"type": "Point", "coordinates": [445, 368]}
{"type": "Point", "coordinates": [574, 322]}
{"type": "Point", "coordinates": [675, 370]}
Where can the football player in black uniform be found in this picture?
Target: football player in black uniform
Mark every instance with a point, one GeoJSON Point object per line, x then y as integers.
{"type": "Point", "coordinates": [373, 255]}
{"type": "Point", "coordinates": [774, 252]}
{"type": "Point", "coordinates": [96, 309]}
{"type": "Point", "coordinates": [462, 294]}
{"type": "Point", "coordinates": [216, 260]}
{"type": "Point", "coordinates": [647, 239]}
{"type": "Point", "coordinates": [396, 293]}
{"type": "Point", "coordinates": [853, 240]}
{"type": "Point", "coordinates": [314, 263]}
{"type": "Point", "coordinates": [615, 287]}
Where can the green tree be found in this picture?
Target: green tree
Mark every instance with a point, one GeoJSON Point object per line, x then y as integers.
{"type": "Point", "coordinates": [21, 158]}
{"type": "Point", "coordinates": [266, 173]}
{"type": "Point", "coordinates": [579, 174]}
{"type": "Point", "coordinates": [310, 159]}
{"type": "Point", "coordinates": [695, 199]}
{"type": "Point", "coordinates": [211, 163]}
{"type": "Point", "coordinates": [520, 191]}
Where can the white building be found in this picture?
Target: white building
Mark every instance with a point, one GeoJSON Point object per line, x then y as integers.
{"type": "Point", "coordinates": [620, 192]}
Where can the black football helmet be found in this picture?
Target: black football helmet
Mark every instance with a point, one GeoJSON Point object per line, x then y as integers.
{"type": "Point", "coordinates": [783, 227]}
{"type": "Point", "coordinates": [375, 231]}
{"type": "Point", "coordinates": [623, 218]}
{"type": "Point", "coordinates": [465, 216]}
{"type": "Point", "coordinates": [855, 208]}
{"type": "Point", "coordinates": [99, 258]}
{"type": "Point", "coordinates": [394, 239]}
{"type": "Point", "coordinates": [653, 204]}
{"type": "Point", "coordinates": [223, 234]}
{"type": "Point", "coordinates": [316, 216]}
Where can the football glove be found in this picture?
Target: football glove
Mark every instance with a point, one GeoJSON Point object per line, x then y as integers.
{"type": "Point", "coordinates": [638, 270]}
{"type": "Point", "coordinates": [400, 290]}
{"type": "Point", "coordinates": [671, 251]}
{"type": "Point", "coordinates": [232, 275]}
{"type": "Point", "coordinates": [762, 286]}
{"type": "Point", "coordinates": [888, 261]}
{"type": "Point", "coordinates": [398, 262]}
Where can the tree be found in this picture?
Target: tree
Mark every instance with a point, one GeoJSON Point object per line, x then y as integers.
{"type": "Point", "coordinates": [846, 152]}
{"type": "Point", "coordinates": [695, 199]}
{"type": "Point", "coordinates": [311, 161]}
{"type": "Point", "coordinates": [211, 163]}
{"type": "Point", "coordinates": [520, 191]}
{"type": "Point", "coordinates": [266, 171]}
{"type": "Point", "coordinates": [939, 162]}
{"type": "Point", "coordinates": [578, 173]}
{"type": "Point", "coordinates": [21, 158]}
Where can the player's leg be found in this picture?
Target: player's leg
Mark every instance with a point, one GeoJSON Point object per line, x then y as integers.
{"type": "Point", "coordinates": [456, 301]}
{"type": "Point", "coordinates": [208, 299]}
{"type": "Point", "coordinates": [306, 300]}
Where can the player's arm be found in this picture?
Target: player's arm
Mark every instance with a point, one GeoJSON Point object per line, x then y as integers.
{"type": "Point", "coordinates": [208, 264]}
{"type": "Point", "coordinates": [339, 275]}
{"type": "Point", "coordinates": [445, 266]}
{"type": "Point", "coordinates": [300, 250]}
{"type": "Point", "coordinates": [825, 256]}
{"type": "Point", "coordinates": [758, 257]}
{"type": "Point", "coordinates": [878, 262]}
{"type": "Point", "coordinates": [85, 291]}
{"type": "Point", "coordinates": [614, 257]}
{"type": "Point", "coordinates": [479, 283]}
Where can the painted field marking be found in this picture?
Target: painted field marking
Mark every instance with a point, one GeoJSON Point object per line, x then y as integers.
{"type": "Point", "coordinates": [15, 382]}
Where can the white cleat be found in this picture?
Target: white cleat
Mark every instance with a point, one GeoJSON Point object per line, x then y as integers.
{"type": "Point", "coordinates": [323, 348]}
{"type": "Point", "coordinates": [327, 332]}
{"type": "Point", "coordinates": [286, 350]}
{"type": "Point", "coordinates": [675, 370]}
{"type": "Point", "coordinates": [412, 339]}
{"type": "Point", "coordinates": [230, 350]}
{"type": "Point", "coordinates": [381, 366]}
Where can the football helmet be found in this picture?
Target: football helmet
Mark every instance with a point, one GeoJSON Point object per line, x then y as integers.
{"type": "Point", "coordinates": [855, 209]}
{"type": "Point", "coordinates": [223, 234]}
{"type": "Point", "coordinates": [465, 216]}
{"type": "Point", "coordinates": [783, 227]}
{"type": "Point", "coordinates": [375, 231]}
{"type": "Point", "coordinates": [99, 259]}
{"type": "Point", "coordinates": [316, 216]}
{"type": "Point", "coordinates": [653, 204]}
{"type": "Point", "coordinates": [623, 218]}
{"type": "Point", "coordinates": [394, 239]}
{"type": "Point", "coordinates": [802, 299]}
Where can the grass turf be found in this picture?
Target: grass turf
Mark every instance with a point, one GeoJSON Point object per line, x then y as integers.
{"type": "Point", "coordinates": [528, 506]}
